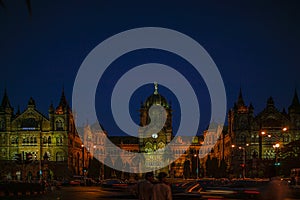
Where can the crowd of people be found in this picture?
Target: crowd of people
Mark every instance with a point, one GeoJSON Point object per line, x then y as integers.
{"type": "Point", "coordinates": [149, 189]}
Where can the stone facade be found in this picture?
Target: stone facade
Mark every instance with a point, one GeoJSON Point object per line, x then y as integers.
{"type": "Point", "coordinates": [257, 139]}
{"type": "Point", "coordinates": [50, 141]}
{"type": "Point", "coordinates": [247, 145]}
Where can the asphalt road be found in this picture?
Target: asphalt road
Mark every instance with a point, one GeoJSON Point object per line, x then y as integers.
{"type": "Point", "coordinates": [85, 193]}
{"type": "Point", "coordinates": [92, 193]}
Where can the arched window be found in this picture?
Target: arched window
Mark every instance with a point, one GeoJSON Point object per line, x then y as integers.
{"type": "Point", "coordinates": [45, 140]}
{"type": "Point", "coordinates": [148, 147]}
{"type": "Point", "coordinates": [29, 123]}
{"type": "Point", "coordinates": [49, 140]}
{"type": "Point", "coordinates": [59, 125]}
{"type": "Point", "coordinates": [60, 156]}
{"type": "Point", "coordinates": [161, 145]}
{"type": "Point", "coordinates": [2, 125]}
{"type": "Point", "coordinates": [3, 154]}
{"type": "Point", "coordinates": [31, 139]}
{"type": "Point", "coordinates": [57, 140]}
{"type": "Point", "coordinates": [48, 154]}
{"type": "Point", "coordinates": [13, 140]}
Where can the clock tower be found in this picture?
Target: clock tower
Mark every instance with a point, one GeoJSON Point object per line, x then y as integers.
{"type": "Point", "coordinates": [155, 127]}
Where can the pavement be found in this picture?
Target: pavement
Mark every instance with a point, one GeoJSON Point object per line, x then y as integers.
{"type": "Point", "coordinates": [92, 193]}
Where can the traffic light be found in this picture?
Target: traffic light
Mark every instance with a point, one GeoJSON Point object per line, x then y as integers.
{"type": "Point", "coordinates": [18, 158]}
{"type": "Point", "coordinates": [28, 157]}
{"type": "Point", "coordinates": [277, 164]}
{"type": "Point", "coordinates": [84, 169]}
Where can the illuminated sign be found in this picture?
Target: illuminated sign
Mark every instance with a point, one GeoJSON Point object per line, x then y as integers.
{"type": "Point", "coordinates": [28, 128]}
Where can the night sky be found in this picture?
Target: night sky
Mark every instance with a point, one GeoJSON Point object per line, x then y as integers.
{"type": "Point", "coordinates": [255, 45]}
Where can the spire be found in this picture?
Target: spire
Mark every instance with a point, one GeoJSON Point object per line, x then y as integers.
{"type": "Point", "coordinates": [295, 99]}
{"type": "Point", "coordinates": [18, 112]}
{"type": "Point", "coordinates": [284, 112]}
{"type": "Point", "coordinates": [251, 108]}
{"type": "Point", "coordinates": [31, 103]}
{"type": "Point", "coordinates": [240, 101]}
{"type": "Point", "coordinates": [270, 102]}
{"type": "Point", "coordinates": [5, 100]}
{"type": "Point", "coordinates": [155, 88]}
{"type": "Point", "coordinates": [51, 108]}
{"type": "Point", "coordinates": [63, 100]}
{"type": "Point", "coordinates": [295, 106]}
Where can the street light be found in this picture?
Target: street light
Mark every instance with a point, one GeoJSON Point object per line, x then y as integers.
{"type": "Point", "coordinates": [197, 170]}
{"type": "Point", "coordinates": [82, 148]}
{"type": "Point", "coordinates": [244, 160]}
{"type": "Point", "coordinates": [276, 147]}
{"type": "Point", "coordinates": [261, 134]}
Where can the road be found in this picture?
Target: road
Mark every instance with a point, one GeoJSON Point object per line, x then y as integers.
{"type": "Point", "coordinates": [91, 193]}
{"type": "Point", "coordinates": [85, 193]}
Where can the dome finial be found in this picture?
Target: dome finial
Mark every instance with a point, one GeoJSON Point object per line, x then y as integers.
{"type": "Point", "coordinates": [155, 88]}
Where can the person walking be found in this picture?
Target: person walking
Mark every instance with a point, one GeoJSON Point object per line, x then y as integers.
{"type": "Point", "coordinates": [145, 187]}
{"type": "Point", "coordinates": [162, 190]}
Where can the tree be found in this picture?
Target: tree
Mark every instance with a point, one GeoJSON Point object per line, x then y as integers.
{"type": "Point", "coordinates": [223, 169]}
{"type": "Point", "coordinates": [94, 168]}
{"type": "Point", "coordinates": [187, 169]}
{"type": "Point", "coordinates": [212, 167]}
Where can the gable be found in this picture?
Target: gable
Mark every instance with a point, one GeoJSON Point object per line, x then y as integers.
{"type": "Point", "coordinates": [272, 118]}
{"type": "Point", "coordinates": [30, 119]}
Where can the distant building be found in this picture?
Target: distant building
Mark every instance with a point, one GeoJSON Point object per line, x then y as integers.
{"type": "Point", "coordinates": [42, 144]}
{"type": "Point", "coordinates": [150, 140]}
{"type": "Point", "coordinates": [256, 139]}
{"type": "Point", "coordinates": [32, 144]}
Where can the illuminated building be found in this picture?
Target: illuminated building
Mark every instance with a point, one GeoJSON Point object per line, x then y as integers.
{"type": "Point", "coordinates": [51, 141]}
{"type": "Point", "coordinates": [260, 136]}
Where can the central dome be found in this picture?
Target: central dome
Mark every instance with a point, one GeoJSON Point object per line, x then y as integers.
{"type": "Point", "coordinates": [156, 99]}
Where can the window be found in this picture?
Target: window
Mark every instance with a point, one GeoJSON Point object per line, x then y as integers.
{"type": "Point", "coordinates": [2, 125]}
{"type": "Point", "coordinates": [59, 140]}
{"type": "Point", "coordinates": [29, 123]}
{"type": "Point", "coordinates": [3, 139]}
{"type": "Point", "coordinates": [13, 141]}
{"type": "Point", "coordinates": [3, 153]}
{"type": "Point", "coordinates": [48, 154]}
{"type": "Point", "coordinates": [49, 140]}
{"type": "Point", "coordinates": [45, 140]}
{"type": "Point", "coordinates": [59, 156]}
{"type": "Point", "coordinates": [59, 125]}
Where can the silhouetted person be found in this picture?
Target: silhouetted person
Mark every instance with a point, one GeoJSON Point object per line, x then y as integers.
{"type": "Point", "coordinates": [145, 187]}
{"type": "Point", "coordinates": [162, 190]}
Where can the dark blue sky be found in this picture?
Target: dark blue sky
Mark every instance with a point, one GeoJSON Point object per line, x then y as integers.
{"type": "Point", "coordinates": [255, 45]}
